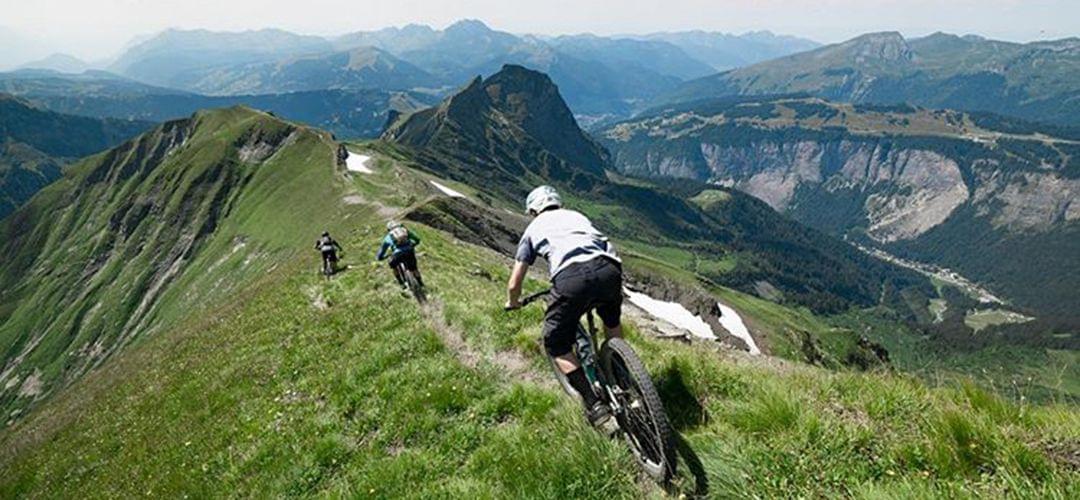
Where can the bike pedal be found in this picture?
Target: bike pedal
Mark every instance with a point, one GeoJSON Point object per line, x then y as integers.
{"type": "Point", "coordinates": [609, 428]}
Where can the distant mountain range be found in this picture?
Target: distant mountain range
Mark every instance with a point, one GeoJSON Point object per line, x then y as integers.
{"type": "Point", "coordinates": [171, 57]}
{"type": "Point", "coordinates": [346, 112]}
{"type": "Point", "coordinates": [725, 51]}
{"type": "Point", "coordinates": [359, 68]}
{"type": "Point", "coordinates": [598, 75]}
{"type": "Point", "coordinates": [1036, 81]}
{"type": "Point", "coordinates": [62, 63]}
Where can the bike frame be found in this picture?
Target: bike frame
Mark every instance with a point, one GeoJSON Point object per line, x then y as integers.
{"type": "Point", "coordinates": [614, 395]}
{"type": "Point", "coordinates": [585, 338]}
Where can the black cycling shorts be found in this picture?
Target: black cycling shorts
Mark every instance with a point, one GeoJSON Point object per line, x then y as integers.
{"type": "Point", "coordinates": [329, 254]}
{"type": "Point", "coordinates": [407, 257]}
{"type": "Point", "coordinates": [596, 283]}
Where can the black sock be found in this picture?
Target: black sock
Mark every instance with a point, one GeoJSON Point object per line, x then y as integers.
{"type": "Point", "coordinates": [581, 384]}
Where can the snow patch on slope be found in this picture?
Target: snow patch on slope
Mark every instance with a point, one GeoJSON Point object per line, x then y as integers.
{"type": "Point", "coordinates": [733, 323]}
{"type": "Point", "coordinates": [672, 312]}
{"type": "Point", "coordinates": [447, 191]}
{"type": "Point", "coordinates": [358, 163]}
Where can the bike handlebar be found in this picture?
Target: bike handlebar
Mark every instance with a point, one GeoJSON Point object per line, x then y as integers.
{"type": "Point", "coordinates": [529, 299]}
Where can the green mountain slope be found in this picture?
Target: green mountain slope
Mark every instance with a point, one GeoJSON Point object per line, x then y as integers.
{"type": "Point", "coordinates": [1035, 81]}
{"type": "Point", "coordinates": [299, 386]}
{"type": "Point", "coordinates": [23, 172]}
{"type": "Point", "coordinates": [61, 135]}
{"type": "Point", "coordinates": [989, 197]}
{"type": "Point", "coordinates": [35, 143]}
{"type": "Point", "coordinates": [139, 236]}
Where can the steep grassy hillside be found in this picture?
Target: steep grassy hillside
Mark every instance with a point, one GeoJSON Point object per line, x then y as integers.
{"type": "Point", "coordinates": [300, 386]}
{"type": "Point", "coordinates": [140, 236]}
{"type": "Point", "coordinates": [61, 135]}
{"type": "Point", "coordinates": [23, 172]}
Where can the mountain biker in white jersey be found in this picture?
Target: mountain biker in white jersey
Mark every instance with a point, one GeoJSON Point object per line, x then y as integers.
{"type": "Point", "coordinates": [585, 274]}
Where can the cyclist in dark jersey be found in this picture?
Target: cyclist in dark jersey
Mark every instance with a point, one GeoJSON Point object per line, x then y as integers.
{"type": "Point", "coordinates": [401, 243]}
{"type": "Point", "coordinates": [328, 247]}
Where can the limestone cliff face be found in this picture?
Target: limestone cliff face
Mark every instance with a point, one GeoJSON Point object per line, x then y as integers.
{"type": "Point", "coordinates": [900, 192]}
{"type": "Point", "coordinates": [1027, 201]}
{"type": "Point", "coordinates": [905, 191]}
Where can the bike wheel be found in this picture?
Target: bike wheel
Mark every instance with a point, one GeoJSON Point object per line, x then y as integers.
{"type": "Point", "coordinates": [642, 416]}
{"type": "Point", "coordinates": [414, 286]}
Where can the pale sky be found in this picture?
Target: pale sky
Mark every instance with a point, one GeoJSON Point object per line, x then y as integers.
{"type": "Point", "coordinates": [95, 29]}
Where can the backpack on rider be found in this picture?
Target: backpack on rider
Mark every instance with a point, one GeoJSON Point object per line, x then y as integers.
{"type": "Point", "coordinates": [400, 235]}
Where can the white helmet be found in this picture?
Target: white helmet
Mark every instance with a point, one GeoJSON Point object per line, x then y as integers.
{"type": "Point", "coordinates": [392, 224]}
{"type": "Point", "coordinates": [541, 198]}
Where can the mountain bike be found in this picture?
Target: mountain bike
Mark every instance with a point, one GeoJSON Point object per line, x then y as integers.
{"type": "Point", "coordinates": [328, 266]}
{"type": "Point", "coordinates": [412, 283]}
{"type": "Point", "coordinates": [620, 380]}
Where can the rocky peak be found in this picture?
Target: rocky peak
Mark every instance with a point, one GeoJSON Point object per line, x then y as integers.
{"type": "Point", "coordinates": [468, 105]}
{"type": "Point", "coordinates": [888, 46]}
{"type": "Point", "coordinates": [468, 27]}
{"type": "Point", "coordinates": [365, 57]}
{"type": "Point", "coordinates": [1064, 45]}
{"type": "Point", "coordinates": [530, 100]}
{"type": "Point", "coordinates": [516, 121]}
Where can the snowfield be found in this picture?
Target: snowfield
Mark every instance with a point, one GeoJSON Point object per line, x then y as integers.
{"type": "Point", "coordinates": [681, 317]}
{"type": "Point", "coordinates": [733, 323]}
{"type": "Point", "coordinates": [358, 163]}
{"type": "Point", "coordinates": [674, 313]}
{"type": "Point", "coordinates": [449, 192]}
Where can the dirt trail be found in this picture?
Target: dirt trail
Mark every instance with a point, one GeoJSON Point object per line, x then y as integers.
{"type": "Point", "coordinates": [512, 363]}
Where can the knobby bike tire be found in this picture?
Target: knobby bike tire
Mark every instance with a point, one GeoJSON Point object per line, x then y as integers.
{"type": "Point", "coordinates": [414, 286]}
{"type": "Point", "coordinates": [648, 430]}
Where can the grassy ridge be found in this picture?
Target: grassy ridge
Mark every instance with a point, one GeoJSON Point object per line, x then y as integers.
{"type": "Point", "coordinates": [300, 386]}
{"type": "Point", "coordinates": [355, 396]}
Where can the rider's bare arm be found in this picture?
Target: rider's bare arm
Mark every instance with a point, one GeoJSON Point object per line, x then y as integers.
{"type": "Point", "coordinates": [513, 287]}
